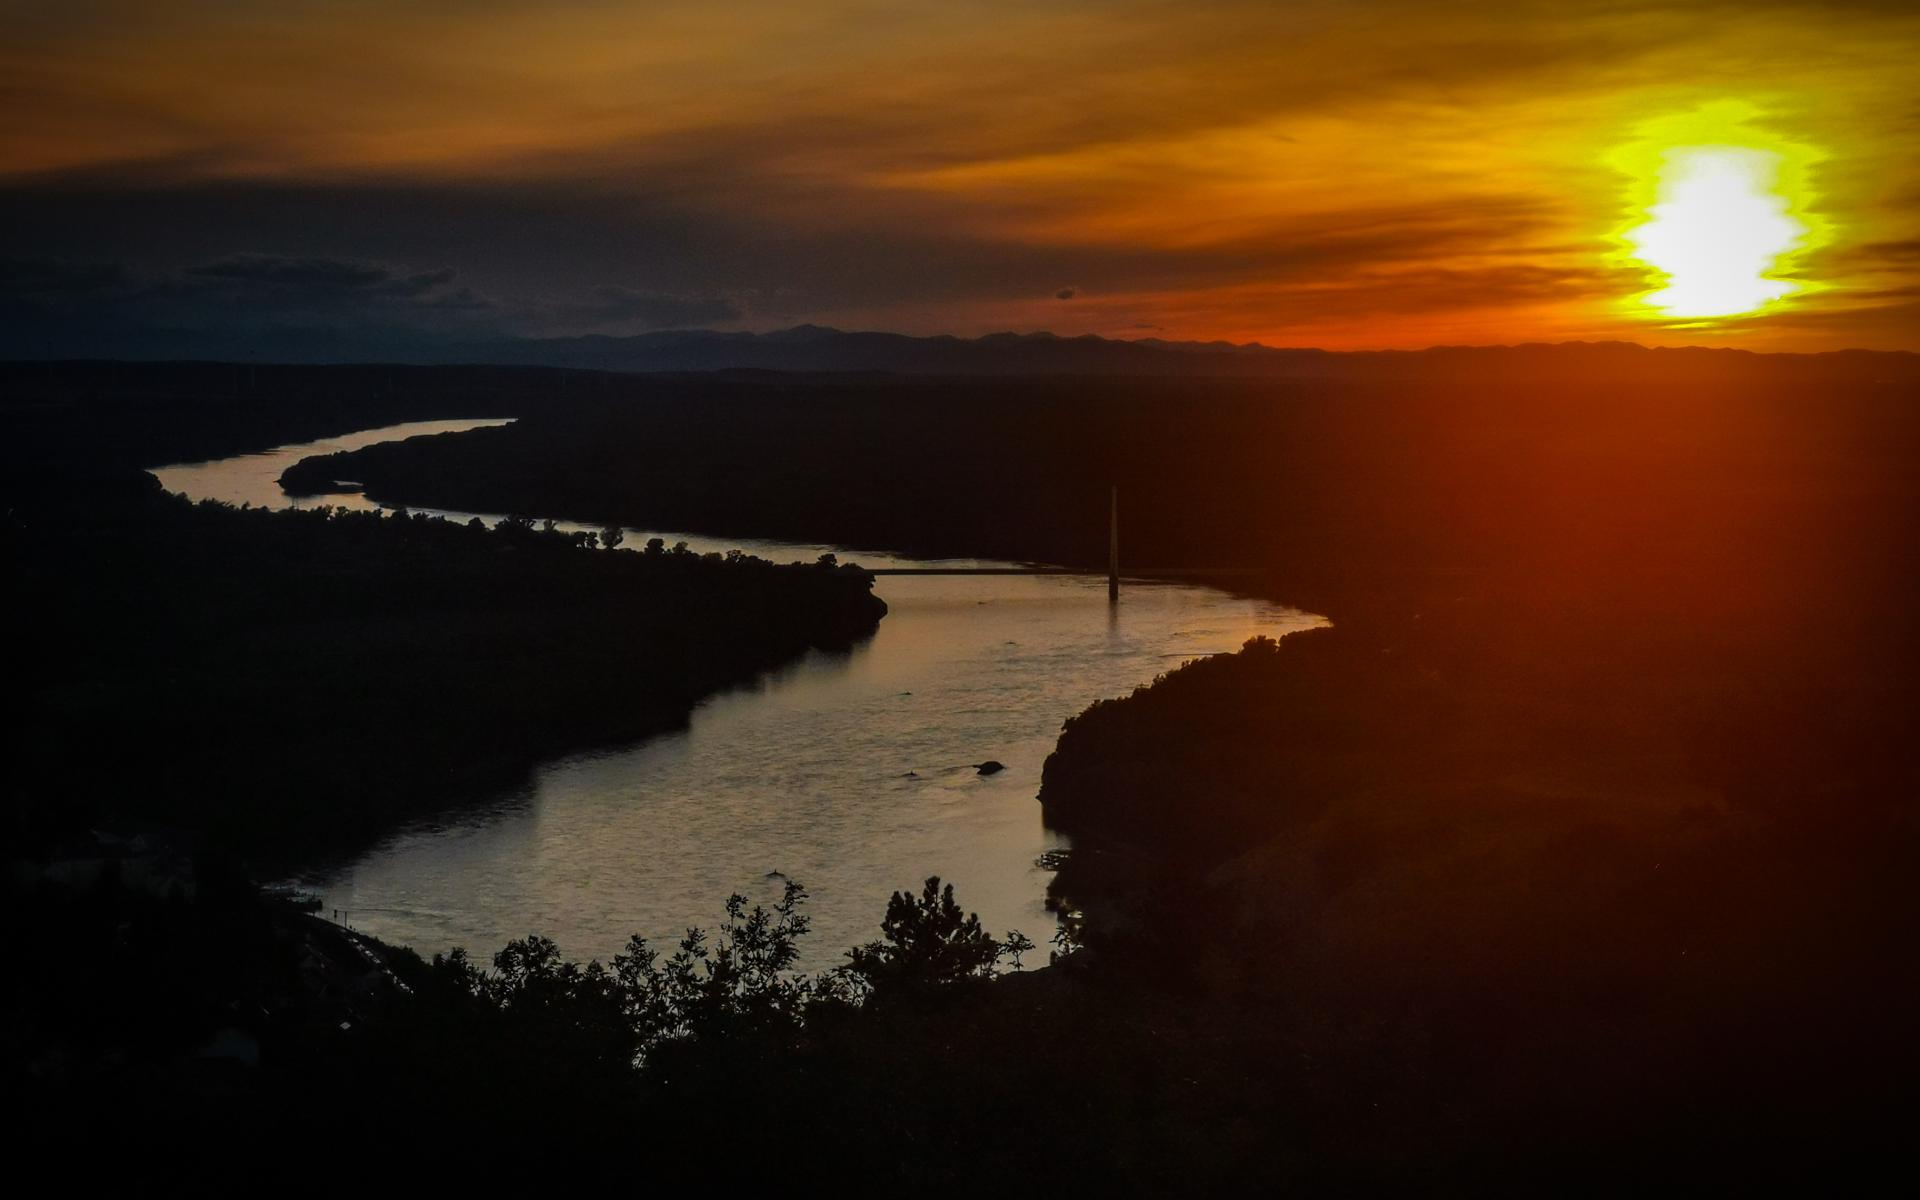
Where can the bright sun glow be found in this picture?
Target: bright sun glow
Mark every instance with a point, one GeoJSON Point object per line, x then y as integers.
{"type": "Point", "coordinates": [1717, 232]}
{"type": "Point", "coordinates": [1720, 213]}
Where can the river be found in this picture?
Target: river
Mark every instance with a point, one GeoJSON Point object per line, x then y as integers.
{"type": "Point", "coordinates": [851, 773]}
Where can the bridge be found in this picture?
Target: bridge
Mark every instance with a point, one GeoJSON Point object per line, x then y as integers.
{"type": "Point", "coordinates": [1113, 564]}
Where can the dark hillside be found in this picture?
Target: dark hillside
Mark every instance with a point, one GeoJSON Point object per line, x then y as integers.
{"type": "Point", "coordinates": [1544, 899]}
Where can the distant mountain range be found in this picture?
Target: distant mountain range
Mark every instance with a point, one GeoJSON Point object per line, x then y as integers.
{"type": "Point", "coordinates": [818, 348]}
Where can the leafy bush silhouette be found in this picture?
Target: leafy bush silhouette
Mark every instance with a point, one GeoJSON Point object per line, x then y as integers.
{"type": "Point", "coordinates": [547, 1010]}
{"type": "Point", "coordinates": [929, 943]}
{"type": "Point", "coordinates": [740, 983]}
{"type": "Point", "coordinates": [736, 986]}
{"type": "Point", "coordinates": [732, 992]}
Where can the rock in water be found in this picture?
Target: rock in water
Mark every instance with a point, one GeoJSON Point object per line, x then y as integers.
{"type": "Point", "coordinates": [990, 767]}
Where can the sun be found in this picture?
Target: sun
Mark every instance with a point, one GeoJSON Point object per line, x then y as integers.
{"type": "Point", "coordinates": [1719, 214]}
{"type": "Point", "coordinates": [1717, 233]}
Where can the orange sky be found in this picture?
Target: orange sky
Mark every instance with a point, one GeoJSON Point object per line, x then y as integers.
{"type": "Point", "coordinates": [1335, 174]}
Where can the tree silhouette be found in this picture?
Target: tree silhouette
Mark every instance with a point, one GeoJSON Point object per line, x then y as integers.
{"type": "Point", "coordinates": [740, 983]}
{"type": "Point", "coordinates": [929, 944]}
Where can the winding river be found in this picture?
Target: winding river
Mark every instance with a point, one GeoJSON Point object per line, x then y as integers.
{"type": "Point", "coordinates": [850, 773]}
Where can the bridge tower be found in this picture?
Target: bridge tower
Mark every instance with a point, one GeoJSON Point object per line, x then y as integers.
{"type": "Point", "coordinates": [1113, 546]}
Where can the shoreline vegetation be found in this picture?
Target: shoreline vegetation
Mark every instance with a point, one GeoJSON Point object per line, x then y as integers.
{"type": "Point", "coordinates": [292, 684]}
{"type": "Point", "coordinates": [253, 1018]}
{"type": "Point", "coordinates": [1536, 909]}
{"type": "Point", "coordinates": [1575, 855]}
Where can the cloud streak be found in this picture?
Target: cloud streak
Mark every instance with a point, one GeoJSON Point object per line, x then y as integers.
{"type": "Point", "coordinates": [593, 165]}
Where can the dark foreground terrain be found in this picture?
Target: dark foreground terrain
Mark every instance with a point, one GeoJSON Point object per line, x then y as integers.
{"type": "Point", "coordinates": [1576, 857]}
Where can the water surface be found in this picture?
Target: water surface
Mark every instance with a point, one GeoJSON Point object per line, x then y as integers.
{"type": "Point", "coordinates": [852, 773]}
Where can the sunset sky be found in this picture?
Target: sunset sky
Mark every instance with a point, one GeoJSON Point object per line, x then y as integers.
{"type": "Point", "coordinates": [1360, 174]}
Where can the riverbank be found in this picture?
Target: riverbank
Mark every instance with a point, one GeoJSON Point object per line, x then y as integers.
{"type": "Point", "coordinates": [295, 683]}
{"type": "Point", "coordinates": [1535, 899]}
